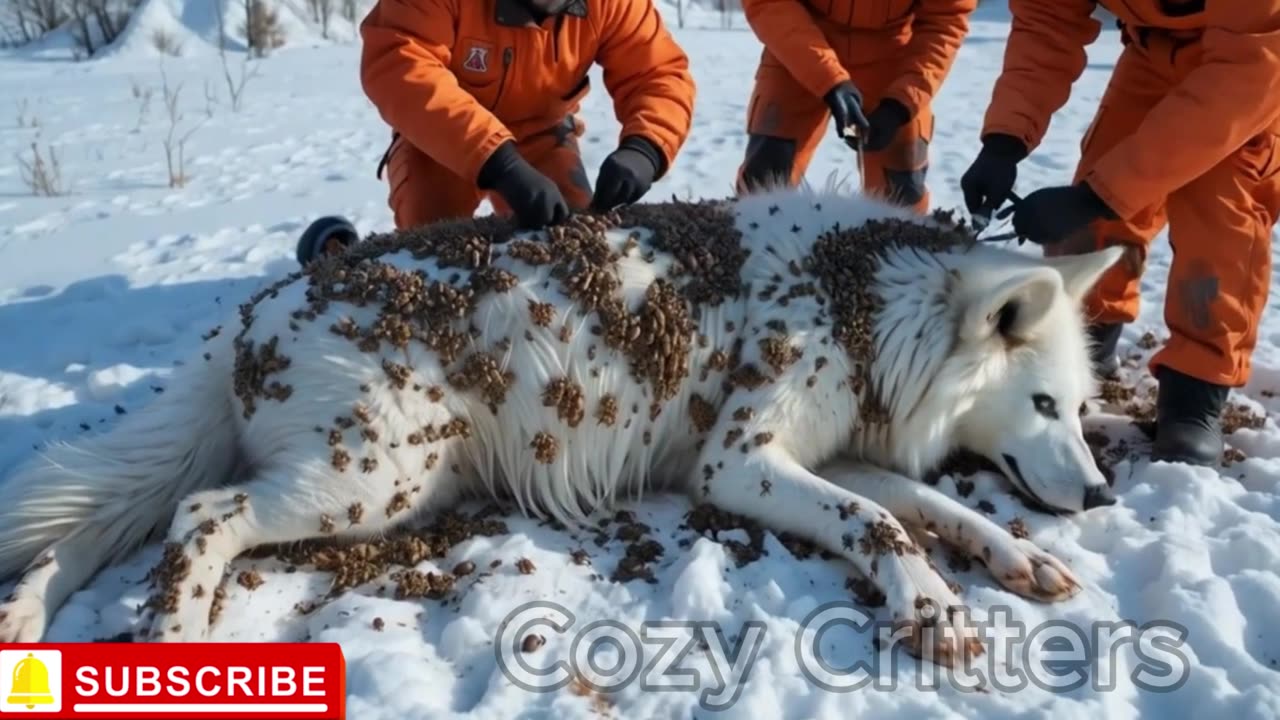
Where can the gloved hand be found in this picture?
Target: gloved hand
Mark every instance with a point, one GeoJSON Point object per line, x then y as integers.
{"type": "Point", "coordinates": [625, 176]}
{"type": "Point", "coordinates": [989, 180]}
{"type": "Point", "coordinates": [1053, 214]}
{"type": "Point", "coordinates": [534, 199]}
{"type": "Point", "coordinates": [845, 102]}
{"type": "Point", "coordinates": [885, 121]}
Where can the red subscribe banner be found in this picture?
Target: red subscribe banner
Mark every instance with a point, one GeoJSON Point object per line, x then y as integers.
{"type": "Point", "coordinates": [195, 680]}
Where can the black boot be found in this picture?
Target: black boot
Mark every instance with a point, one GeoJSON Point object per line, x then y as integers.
{"type": "Point", "coordinates": [1188, 419]}
{"type": "Point", "coordinates": [1105, 339]}
{"type": "Point", "coordinates": [329, 235]}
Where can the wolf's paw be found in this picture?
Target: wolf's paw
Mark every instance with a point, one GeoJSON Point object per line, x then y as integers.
{"type": "Point", "coordinates": [929, 620]}
{"type": "Point", "coordinates": [939, 634]}
{"type": "Point", "coordinates": [1025, 568]}
{"type": "Point", "coordinates": [23, 619]}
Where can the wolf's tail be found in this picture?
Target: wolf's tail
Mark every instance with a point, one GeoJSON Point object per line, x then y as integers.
{"type": "Point", "coordinates": [116, 490]}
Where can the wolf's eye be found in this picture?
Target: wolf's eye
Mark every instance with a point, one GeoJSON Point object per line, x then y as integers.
{"type": "Point", "coordinates": [1045, 405]}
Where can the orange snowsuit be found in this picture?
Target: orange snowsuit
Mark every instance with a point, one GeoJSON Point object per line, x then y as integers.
{"type": "Point", "coordinates": [1186, 133]}
{"type": "Point", "coordinates": [455, 79]}
{"type": "Point", "coordinates": [900, 49]}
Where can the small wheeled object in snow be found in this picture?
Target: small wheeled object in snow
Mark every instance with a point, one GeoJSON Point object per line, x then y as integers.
{"type": "Point", "coordinates": [327, 236]}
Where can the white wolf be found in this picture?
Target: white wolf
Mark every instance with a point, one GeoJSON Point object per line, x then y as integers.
{"type": "Point", "coordinates": [778, 356]}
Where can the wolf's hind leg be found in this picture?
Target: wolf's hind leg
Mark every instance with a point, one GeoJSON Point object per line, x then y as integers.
{"type": "Point", "coordinates": [767, 485]}
{"type": "Point", "coordinates": [46, 584]}
{"type": "Point", "coordinates": [279, 505]}
{"type": "Point", "coordinates": [1016, 563]}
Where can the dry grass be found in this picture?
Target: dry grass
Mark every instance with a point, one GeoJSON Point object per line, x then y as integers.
{"type": "Point", "coordinates": [25, 117]}
{"type": "Point", "coordinates": [41, 171]}
{"type": "Point", "coordinates": [166, 42]}
{"type": "Point", "coordinates": [141, 95]}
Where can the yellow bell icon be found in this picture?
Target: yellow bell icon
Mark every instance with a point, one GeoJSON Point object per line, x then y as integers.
{"type": "Point", "coordinates": [30, 683]}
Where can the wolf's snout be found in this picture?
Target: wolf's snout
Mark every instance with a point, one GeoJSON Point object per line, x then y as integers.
{"type": "Point", "coordinates": [1098, 496]}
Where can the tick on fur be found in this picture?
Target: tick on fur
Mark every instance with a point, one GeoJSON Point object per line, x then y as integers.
{"type": "Point", "coordinates": [732, 436]}
{"type": "Point", "coordinates": [545, 446]}
{"type": "Point", "coordinates": [355, 513]}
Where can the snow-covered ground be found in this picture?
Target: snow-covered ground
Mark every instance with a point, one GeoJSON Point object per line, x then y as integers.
{"type": "Point", "coordinates": [104, 289]}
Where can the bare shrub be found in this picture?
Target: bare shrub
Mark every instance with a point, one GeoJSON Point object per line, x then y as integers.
{"type": "Point", "coordinates": [321, 12]}
{"type": "Point", "coordinates": [23, 21]}
{"type": "Point", "coordinates": [261, 29]}
{"type": "Point", "coordinates": [24, 113]}
{"type": "Point", "coordinates": [40, 171]}
{"type": "Point", "coordinates": [210, 98]}
{"type": "Point", "coordinates": [175, 140]}
{"type": "Point", "coordinates": [236, 81]}
{"type": "Point", "coordinates": [166, 42]}
{"type": "Point", "coordinates": [350, 11]}
{"type": "Point", "coordinates": [82, 30]}
{"type": "Point", "coordinates": [95, 24]}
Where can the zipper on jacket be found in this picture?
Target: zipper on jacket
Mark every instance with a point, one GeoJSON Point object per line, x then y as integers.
{"type": "Point", "coordinates": [508, 54]}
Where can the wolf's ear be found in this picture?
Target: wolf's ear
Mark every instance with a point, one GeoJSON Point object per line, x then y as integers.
{"type": "Point", "coordinates": [1012, 307]}
{"type": "Point", "coordinates": [1081, 272]}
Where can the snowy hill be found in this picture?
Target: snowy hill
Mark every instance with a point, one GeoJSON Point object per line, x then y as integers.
{"type": "Point", "coordinates": [105, 288]}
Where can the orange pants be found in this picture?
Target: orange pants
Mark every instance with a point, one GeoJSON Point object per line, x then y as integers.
{"type": "Point", "coordinates": [785, 124]}
{"type": "Point", "coordinates": [1219, 228]}
{"type": "Point", "coordinates": [423, 191]}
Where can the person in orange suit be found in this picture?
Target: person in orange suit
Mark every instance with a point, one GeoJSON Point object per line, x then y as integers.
{"type": "Point", "coordinates": [482, 96]}
{"type": "Point", "coordinates": [835, 59]}
{"type": "Point", "coordinates": [1185, 135]}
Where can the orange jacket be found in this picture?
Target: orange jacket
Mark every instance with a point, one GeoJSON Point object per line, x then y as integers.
{"type": "Point", "coordinates": [1230, 96]}
{"type": "Point", "coordinates": [460, 77]}
{"type": "Point", "coordinates": [793, 32]}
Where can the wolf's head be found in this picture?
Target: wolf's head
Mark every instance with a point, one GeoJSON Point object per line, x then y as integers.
{"type": "Point", "coordinates": [1022, 351]}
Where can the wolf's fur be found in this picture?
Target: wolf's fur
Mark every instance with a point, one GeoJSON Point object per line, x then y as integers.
{"type": "Point", "coordinates": [964, 339]}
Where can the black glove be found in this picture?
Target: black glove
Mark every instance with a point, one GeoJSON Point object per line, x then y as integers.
{"type": "Point", "coordinates": [625, 176]}
{"type": "Point", "coordinates": [535, 200]}
{"type": "Point", "coordinates": [989, 180]}
{"type": "Point", "coordinates": [1053, 214]}
{"type": "Point", "coordinates": [845, 102]}
{"type": "Point", "coordinates": [885, 121]}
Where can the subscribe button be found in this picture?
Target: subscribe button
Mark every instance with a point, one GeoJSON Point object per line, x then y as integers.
{"type": "Point", "coordinates": [196, 680]}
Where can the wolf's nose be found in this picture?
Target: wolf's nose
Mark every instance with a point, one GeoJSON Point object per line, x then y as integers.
{"type": "Point", "coordinates": [1098, 496]}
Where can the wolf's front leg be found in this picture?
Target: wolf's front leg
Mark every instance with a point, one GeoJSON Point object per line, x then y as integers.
{"type": "Point", "coordinates": [1018, 564]}
{"type": "Point", "coordinates": [767, 485]}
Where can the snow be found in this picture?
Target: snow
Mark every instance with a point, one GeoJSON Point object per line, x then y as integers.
{"type": "Point", "coordinates": [197, 28]}
{"type": "Point", "coordinates": [104, 289]}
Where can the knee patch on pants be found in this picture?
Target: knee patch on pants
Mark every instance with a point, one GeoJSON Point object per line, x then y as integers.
{"type": "Point", "coordinates": [769, 162]}
{"type": "Point", "coordinates": [906, 187]}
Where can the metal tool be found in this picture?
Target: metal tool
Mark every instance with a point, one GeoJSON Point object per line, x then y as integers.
{"type": "Point", "coordinates": [854, 140]}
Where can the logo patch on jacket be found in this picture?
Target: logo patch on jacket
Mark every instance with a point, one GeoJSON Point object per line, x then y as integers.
{"type": "Point", "coordinates": [477, 59]}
